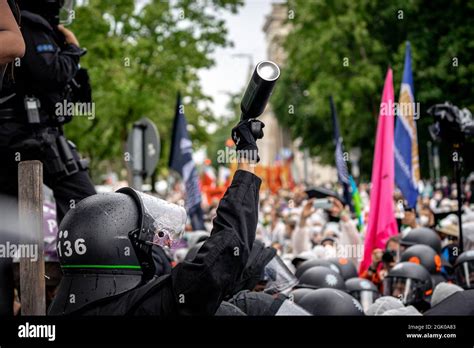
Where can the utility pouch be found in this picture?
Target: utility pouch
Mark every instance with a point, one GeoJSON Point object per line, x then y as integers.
{"type": "Point", "coordinates": [32, 107]}
{"type": "Point", "coordinates": [68, 159]}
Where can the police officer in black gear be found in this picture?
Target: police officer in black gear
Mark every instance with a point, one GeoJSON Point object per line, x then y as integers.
{"type": "Point", "coordinates": [428, 258]}
{"type": "Point", "coordinates": [362, 290]}
{"type": "Point", "coordinates": [411, 283]}
{"type": "Point", "coordinates": [30, 123]}
{"type": "Point", "coordinates": [105, 249]}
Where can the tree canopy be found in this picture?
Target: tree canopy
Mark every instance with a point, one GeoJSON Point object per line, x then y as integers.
{"type": "Point", "coordinates": [343, 48]}
{"type": "Point", "coordinates": [138, 59]}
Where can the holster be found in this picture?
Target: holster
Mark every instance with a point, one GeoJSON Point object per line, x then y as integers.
{"type": "Point", "coordinates": [59, 156]}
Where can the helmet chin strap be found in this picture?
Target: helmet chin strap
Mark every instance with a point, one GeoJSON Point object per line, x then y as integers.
{"type": "Point", "coordinates": [53, 20]}
{"type": "Point", "coordinates": [143, 251]}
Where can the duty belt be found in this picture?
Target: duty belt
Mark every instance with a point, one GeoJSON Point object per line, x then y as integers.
{"type": "Point", "coordinates": [7, 115]}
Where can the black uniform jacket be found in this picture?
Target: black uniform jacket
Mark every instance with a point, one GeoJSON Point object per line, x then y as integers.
{"type": "Point", "coordinates": [48, 66]}
{"type": "Point", "coordinates": [198, 287]}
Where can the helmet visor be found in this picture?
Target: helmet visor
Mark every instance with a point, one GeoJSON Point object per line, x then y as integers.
{"type": "Point", "coordinates": [66, 12]}
{"type": "Point", "coordinates": [278, 277]}
{"type": "Point", "coordinates": [366, 298]}
{"type": "Point", "coordinates": [465, 274]}
{"type": "Point", "coordinates": [163, 222]}
{"type": "Point", "coordinates": [401, 288]}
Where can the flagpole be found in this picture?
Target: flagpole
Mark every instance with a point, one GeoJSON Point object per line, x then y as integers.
{"type": "Point", "coordinates": [429, 147]}
{"type": "Point", "coordinates": [457, 174]}
{"type": "Point", "coordinates": [436, 162]}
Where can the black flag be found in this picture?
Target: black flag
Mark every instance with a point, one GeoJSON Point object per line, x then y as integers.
{"type": "Point", "coordinates": [342, 172]}
{"type": "Point", "coordinates": [181, 160]}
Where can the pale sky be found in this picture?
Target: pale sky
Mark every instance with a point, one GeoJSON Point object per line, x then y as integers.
{"type": "Point", "coordinates": [230, 74]}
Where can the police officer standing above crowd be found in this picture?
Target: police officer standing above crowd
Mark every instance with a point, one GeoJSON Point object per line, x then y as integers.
{"type": "Point", "coordinates": [30, 124]}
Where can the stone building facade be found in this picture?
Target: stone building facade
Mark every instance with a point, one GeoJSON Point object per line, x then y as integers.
{"type": "Point", "coordinates": [276, 137]}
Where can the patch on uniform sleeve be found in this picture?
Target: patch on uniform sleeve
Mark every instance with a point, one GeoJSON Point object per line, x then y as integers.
{"type": "Point", "coordinates": [45, 48]}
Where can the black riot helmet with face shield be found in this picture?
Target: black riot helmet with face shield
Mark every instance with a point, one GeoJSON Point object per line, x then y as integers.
{"type": "Point", "coordinates": [161, 223]}
{"type": "Point", "coordinates": [464, 270]}
{"type": "Point", "coordinates": [277, 277]}
{"type": "Point", "coordinates": [265, 271]}
{"type": "Point", "coordinates": [105, 245]}
{"type": "Point", "coordinates": [253, 273]}
{"type": "Point", "coordinates": [409, 282]}
{"type": "Point", "coordinates": [363, 290]}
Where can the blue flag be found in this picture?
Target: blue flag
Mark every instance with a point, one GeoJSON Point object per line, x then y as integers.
{"type": "Point", "coordinates": [341, 165]}
{"type": "Point", "coordinates": [407, 170]}
{"type": "Point", "coordinates": [181, 160]}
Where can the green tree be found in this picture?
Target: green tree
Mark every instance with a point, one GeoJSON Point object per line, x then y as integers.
{"type": "Point", "coordinates": [224, 127]}
{"type": "Point", "coordinates": [138, 59]}
{"type": "Point", "coordinates": [344, 48]}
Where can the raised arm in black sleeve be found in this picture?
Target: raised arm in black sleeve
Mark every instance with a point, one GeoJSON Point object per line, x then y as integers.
{"type": "Point", "coordinates": [199, 286]}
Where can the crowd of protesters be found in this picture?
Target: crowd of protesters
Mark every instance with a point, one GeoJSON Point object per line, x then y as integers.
{"type": "Point", "coordinates": [329, 242]}
{"type": "Point", "coordinates": [302, 249]}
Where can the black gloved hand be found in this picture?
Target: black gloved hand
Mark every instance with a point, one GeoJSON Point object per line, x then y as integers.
{"type": "Point", "coordinates": [245, 136]}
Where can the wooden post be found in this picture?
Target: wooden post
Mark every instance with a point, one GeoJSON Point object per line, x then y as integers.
{"type": "Point", "coordinates": [30, 200]}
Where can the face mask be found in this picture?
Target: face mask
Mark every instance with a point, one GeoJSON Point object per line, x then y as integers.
{"type": "Point", "coordinates": [330, 251]}
{"type": "Point", "coordinates": [445, 242]}
{"type": "Point", "coordinates": [424, 220]}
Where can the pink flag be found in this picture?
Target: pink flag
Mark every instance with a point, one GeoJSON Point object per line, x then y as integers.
{"type": "Point", "coordinates": [382, 224]}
